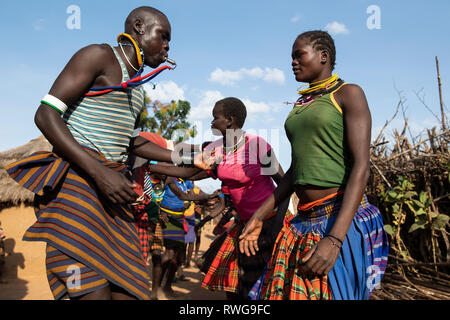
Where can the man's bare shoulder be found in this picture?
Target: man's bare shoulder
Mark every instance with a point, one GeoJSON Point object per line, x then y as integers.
{"type": "Point", "coordinates": [95, 51]}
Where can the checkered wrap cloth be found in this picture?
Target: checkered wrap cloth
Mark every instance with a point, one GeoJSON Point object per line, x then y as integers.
{"type": "Point", "coordinates": [234, 272]}
{"type": "Point", "coordinates": [148, 225]}
{"type": "Point", "coordinates": [364, 249]}
{"type": "Point", "coordinates": [150, 237]}
{"type": "Point", "coordinates": [157, 239]}
{"type": "Point", "coordinates": [282, 278]}
{"type": "Point", "coordinates": [223, 273]}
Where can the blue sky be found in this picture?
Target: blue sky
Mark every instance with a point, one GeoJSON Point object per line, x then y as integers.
{"type": "Point", "coordinates": [235, 48]}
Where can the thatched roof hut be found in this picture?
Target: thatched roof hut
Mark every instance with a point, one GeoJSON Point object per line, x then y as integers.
{"type": "Point", "coordinates": [11, 193]}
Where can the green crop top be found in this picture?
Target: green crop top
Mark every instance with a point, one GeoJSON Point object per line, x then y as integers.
{"type": "Point", "coordinates": [320, 155]}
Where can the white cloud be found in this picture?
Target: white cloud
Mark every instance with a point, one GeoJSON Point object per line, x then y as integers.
{"type": "Point", "coordinates": [165, 92]}
{"type": "Point", "coordinates": [225, 77]}
{"type": "Point", "coordinates": [254, 108]}
{"type": "Point", "coordinates": [38, 25]}
{"type": "Point", "coordinates": [296, 18]}
{"type": "Point", "coordinates": [274, 75]}
{"type": "Point", "coordinates": [254, 72]}
{"type": "Point", "coordinates": [203, 110]}
{"type": "Point", "coordinates": [336, 28]}
{"type": "Point", "coordinates": [228, 77]}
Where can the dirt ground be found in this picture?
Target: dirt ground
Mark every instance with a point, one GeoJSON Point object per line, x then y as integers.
{"type": "Point", "coordinates": [24, 276]}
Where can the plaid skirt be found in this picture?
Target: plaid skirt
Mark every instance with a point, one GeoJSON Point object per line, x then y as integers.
{"type": "Point", "coordinates": [210, 254]}
{"type": "Point", "coordinates": [232, 271]}
{"type": "Point", "coordinates": [157, 238]}
{"type": "Point", "coordinates": [90, 232]}
{"type": "Point", "coordinates": [357, 271]}
{"type": "Point", "coordinates": [150, 237]}
{"type": "Point", "coordinates": [148, 226]}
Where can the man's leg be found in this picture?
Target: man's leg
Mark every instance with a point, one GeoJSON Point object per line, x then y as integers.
{"type": "Point", "coordinates": [156, 273]}
{"type": "Point", "coordinates": [171, 270]}
{"type": "Point", "coordinates": [197, 244]}
{"type": "Point", "coordinates": [110, 292]}
{"type": "Point", "coordinates": [100, 294]}
{"type": "Point", "coordinates": [165, 263]}
{"type": "Point", "coordinates": [190, 251]}
{"type": "Point", "coordinates": [117, 293]}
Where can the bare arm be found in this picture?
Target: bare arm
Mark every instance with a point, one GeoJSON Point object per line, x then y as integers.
{"type": "Point", "coordinates": [248, 243]}
{"type": "Point", "coordinates": [149, 150]}
{"type": "Point", "coordinates": [214, 213]}
{"type": "Point", "coordinates": [174, 171]}
{"type": "Point", "coordinates": [201, 196]}
{"type": "Point", "coordinates": [185, 196]}
{"type": "Point", "coordinates": [189, 173]}
{"type": "Point", "coordinates": [271, 166]}
{"type": "Point", "coordinates": [199, 176]}
{"type": "Point", "coordinates": [358, 124]}
{"type": "Point", "coordinates": [84, 69]}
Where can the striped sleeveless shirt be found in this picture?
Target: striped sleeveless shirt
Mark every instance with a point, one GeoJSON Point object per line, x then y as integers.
{"type": "Point", "coordinates": [105, 123]}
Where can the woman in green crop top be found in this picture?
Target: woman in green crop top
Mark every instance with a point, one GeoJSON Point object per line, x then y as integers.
{"type": "Point", "coordinates": [335, 247]}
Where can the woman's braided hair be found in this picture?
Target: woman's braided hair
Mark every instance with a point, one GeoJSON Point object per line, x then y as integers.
{"type": "Point", "coordinates": [321, 40]}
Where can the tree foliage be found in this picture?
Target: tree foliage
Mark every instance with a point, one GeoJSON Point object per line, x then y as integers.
{"type": "Point", "coordinates": [168, 120]}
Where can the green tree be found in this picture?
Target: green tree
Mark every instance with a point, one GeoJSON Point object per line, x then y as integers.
{"type": "Point", "coordinates": [165, 119]}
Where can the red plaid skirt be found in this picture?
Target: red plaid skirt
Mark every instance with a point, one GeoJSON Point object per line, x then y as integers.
{"type": "Point", "coordinates": [283, 279]}
{"type": "Point", "coordinates": [150, 237]}
{"type": "Point", "coordinates": [232, 272]}
{"type": "Point", "coordinates": [223, 273]}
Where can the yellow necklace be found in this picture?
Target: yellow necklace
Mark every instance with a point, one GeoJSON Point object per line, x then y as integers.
{"type": "Point", "coordinates": [139, 51]}
{"type": "Point", "coordinates": [322, 84]}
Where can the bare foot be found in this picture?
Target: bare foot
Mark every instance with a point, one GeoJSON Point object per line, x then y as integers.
{"type": "Point", "coordinates": [170, 293]}
{"type": "Point", "coordinates": [154, 295]}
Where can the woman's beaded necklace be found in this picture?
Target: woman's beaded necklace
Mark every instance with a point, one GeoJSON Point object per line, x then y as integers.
{"type": "Point", "coordinates": [227, 150]}
{"type": "Point", "coordinates": [317, 90]}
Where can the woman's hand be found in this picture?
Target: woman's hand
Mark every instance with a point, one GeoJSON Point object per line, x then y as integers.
{"type": "Point", "coordinates": [206, 161]}
{"type": "Point", "coordinates": [163, 217]}
{"type": "Point", "coordinates": [114, 186]}
{"type": "Point", "coordinates": [321, 258]}
{"type": "Point", "coordinates": [248, 243]}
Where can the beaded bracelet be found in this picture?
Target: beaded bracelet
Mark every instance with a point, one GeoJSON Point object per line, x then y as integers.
{"type": "Point", "coordinates": [336, 238]}
{"type": "Point", "coordinates": [334, 243]}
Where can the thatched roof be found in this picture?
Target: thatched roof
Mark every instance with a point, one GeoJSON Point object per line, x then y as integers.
{"type": "Point", "coordinates": [11, 193]}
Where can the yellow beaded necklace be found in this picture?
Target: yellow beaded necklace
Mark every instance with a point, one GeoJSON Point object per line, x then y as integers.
{"type": "Point", "coordinates": [322, 84]}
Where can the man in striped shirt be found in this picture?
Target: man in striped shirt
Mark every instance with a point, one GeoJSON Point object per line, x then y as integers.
{"type": "Point", "coordinates": [83, 194]}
